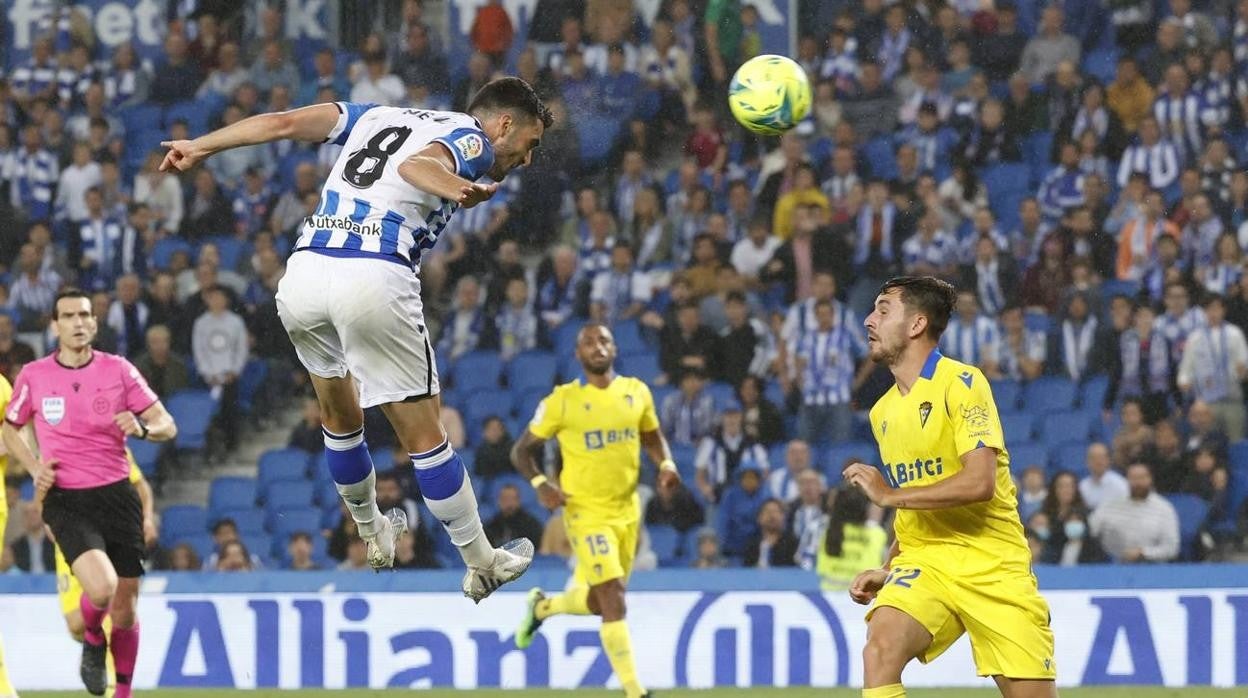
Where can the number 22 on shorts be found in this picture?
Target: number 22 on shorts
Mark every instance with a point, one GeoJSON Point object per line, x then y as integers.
{"type": "Point", "coordinates": [902, 576]}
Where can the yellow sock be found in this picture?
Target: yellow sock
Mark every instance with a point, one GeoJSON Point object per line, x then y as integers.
{"type": "Point", "coordinates": [893, 690]}
{"type": "Point", "coordinates": [574, 602]}
{"type": "Point", "coordinates": [619, 647]}
{"type": "Point", "coordinates": [6, 686]}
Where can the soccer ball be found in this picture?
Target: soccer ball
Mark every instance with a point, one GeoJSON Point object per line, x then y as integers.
{"type": "Point", "coordinates": [769, 94]}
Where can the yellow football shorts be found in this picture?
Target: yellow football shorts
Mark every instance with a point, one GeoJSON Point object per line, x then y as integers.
{"type": "Point", "coordinates": [68, 590]}
{"type": "Point", "coordinates": [1003, 612]}
{"type": "Point", "coordinates": [604, 548]}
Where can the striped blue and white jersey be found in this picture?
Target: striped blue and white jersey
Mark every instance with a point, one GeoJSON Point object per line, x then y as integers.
{"type": "Point", "coordinates": [367, 209]}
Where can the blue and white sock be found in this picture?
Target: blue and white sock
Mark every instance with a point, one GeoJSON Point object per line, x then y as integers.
{"type": "Point", "coordinates": [351, 466]}
{"type": "Point", "coordinates": [447, 489]}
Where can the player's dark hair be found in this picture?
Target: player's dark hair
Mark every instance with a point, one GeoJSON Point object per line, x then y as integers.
{"type": "Point", "coordinates": [513, 95]}
{"type": "Point", "coordinates": [849, 507]}
{"type": "Point", "coordinates": [69, 292]}
{"type": "Point", "coordinates": [927, 295]}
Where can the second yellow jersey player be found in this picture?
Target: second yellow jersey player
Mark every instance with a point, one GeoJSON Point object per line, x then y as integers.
{"type": "Point", "coordinates": [960, 563]}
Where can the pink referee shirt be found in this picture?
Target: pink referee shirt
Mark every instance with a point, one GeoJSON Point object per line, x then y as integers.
{"type": "Point", "coordinates": [73, 409]}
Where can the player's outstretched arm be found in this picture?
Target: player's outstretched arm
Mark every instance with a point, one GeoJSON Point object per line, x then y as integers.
{"type": "Point", "coordinates": [976, 482]}
{"type": "Point", "coordinates": [312, 123]}
{"type": "Point", "coordinates": [524, 460]}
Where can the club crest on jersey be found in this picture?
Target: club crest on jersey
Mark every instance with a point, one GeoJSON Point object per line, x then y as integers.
{"type": "Point", "coordinates": [884, 427]}
{"type": "Point", "coordinates": [925, 410]}
{"type": "Point", "coordinates": [628, 400]}
{"type": "Point", "coordinates": [469, 145]}
{"type": "Point", "coordinates": [53, 410]}
{"type": "Point", "coordinates": [976, 417]}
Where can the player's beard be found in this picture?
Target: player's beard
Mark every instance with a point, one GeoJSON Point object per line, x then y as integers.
{"type": "Point", "coordinates": [885, 353]}
{"type": "Point", "coordinates": [597, 368]}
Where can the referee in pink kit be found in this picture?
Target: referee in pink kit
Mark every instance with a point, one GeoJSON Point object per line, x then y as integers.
{"type": "Point", "coordinates": [84, 403]}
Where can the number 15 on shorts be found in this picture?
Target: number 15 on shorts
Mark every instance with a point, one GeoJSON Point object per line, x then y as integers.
{"type": "Point", "coordinates": [902, 576]}
{"type": "Point", "coordinates": [598, 545]}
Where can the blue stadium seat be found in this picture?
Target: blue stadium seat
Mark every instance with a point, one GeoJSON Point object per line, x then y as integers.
{"type": "Point", "coordinates": [1237, 492]}
{"type": "Point", "coordinates": [288, 521]}
{"type": "Point", "coordinates": [165, 248]}
{"type": "Point", "coordinates": [597, 136]}
{"type": "Point", "coordinates": [250, 382]}
{"type": "Point", "coordinates": [485, 403]}
{"type": "Point", "coordinates": [231, 493]}
{"type": "Point", "coordinates": [327, 495]}
{"type": "Point", "coordinates": [182, 520]}
{"type": "Point", "coordinates": [146, 455]}
{"type": "Point", "coordinates": [526, 405]}
{"type": "Point", "coordinates": [259, 544]}
{"type": "Point", "coordinates": [1101, 63]}
{"type": "Point", "coordinates": [1019, 428]}
{"type": "Point", "coordinates": [532, 370]}
{"type": "Point", "coordinates": [1119, 287]}
{"type": "Point", "coordinates": [565, 338]}
{"type": "Point", "coordinates": [776, 455]}
{"type": "Point", "coordinates": [1006, 393]}
{"type": "Point", "coordinates": [665, 542]}
{"type": "Point", "coordinates": [141, 118]}
{"type": "Point", "coordinates": [1007, 178]}
{"type": "Point", "coordinates": [281, 494]}
{"type": "Point", "coordinates": [320, 550]}
{"type": "Point", "coordinates": [528, 495]}
{"type": "Point", "coordinates": [628, 339]}
{"type": "Point", "coordinates": [192, 112]}
{"type": "Point", "coordinates": [1021, 457]}
{"type": "Point", "coordinates": [1092, 393]}
{"type": "Point", "coordinates": [247, 521]}
{"type": "Point", "coordinates": [193, 410]}
{"type": "Point", "coordinates": [1048, 394]}
{"type": "Point", "coordinates": [201, 543]}
{"type": "Point", "coordinates": [685, 456]}
{"type": "Point", "coordinates": [1238, 455]}
{"type": "Point", "coordinates": [282, 464]}
{"type": "Point", "coordinates": [1061, 427]}
{"type": "Point", "coordinates": [660, 393]}
{"type": "Point", "coordinates": [835, 456]}
{"type": "Point", "coordinates": [1072, 456]}
{"type": "Point", "coordinates": [721, 392]}
{"type": "Point", "coordinates": [1192, 512]}
{"type": "Point", "coordinates": [476, 370]}
{"type": "Point", "coordinates": [1036, 149]}
{"type": "Point", "coordinates": [548, 562]}
{"type": "Point", "coordinates": [644, 366]}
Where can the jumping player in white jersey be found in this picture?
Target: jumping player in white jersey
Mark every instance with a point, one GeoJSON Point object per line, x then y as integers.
{"type": "Point", "coordinates": [350, 299]}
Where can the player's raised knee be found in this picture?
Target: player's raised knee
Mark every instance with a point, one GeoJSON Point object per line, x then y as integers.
{"type": "Point", "coordinates": [884, 651]}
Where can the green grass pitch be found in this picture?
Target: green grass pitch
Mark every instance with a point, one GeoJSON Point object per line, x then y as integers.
{"type": "Point", "coordinates": [1119, 692]}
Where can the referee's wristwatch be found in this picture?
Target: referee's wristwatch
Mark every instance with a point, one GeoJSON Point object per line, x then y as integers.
{"type": "Point", "coordinates": [143, 430]}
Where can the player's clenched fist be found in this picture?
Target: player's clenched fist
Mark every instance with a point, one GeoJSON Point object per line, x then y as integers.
{"type": "Point", "coordinates": [866, 585]}
{"type": "Point", "coordinates": [552, 495]}
{"type": "Point", "coordinates": [870, 481]}
{"type": "Point", "coordinates": [128, 423]}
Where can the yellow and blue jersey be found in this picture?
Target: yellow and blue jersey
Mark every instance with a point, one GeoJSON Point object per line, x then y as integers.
{"type": "Point", "coordinates": [6, 394]}
{"type": "Point", "coordinates": [923, 435]}
{"type": "Point", "coordinates": [599, 433]}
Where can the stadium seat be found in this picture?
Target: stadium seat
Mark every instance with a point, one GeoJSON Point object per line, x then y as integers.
{"type": "Point", "coordinates": [597, 137]}
{"type": "Point", "coordinates": [835, 456]}
{"type": "Point", "coordinates": [1006, 393]}
{"type": "Point", "coordinates": [182, 520]}
{"type": "Point", "coordinates": [1092, 393]}
{"type": "Point", "coordinates": [1061, 427]}
{"type": "Point", "coordinates": [722, 393]}
{"type": "Point", "coordinates": [476, 370]}
{"type": "Point", "coordinates": [565, 338]}
{"type": "Point", "coordinates": [1071, 456]}
{"type": "Point", "coordinates": [1192, 512]}
{"type": "Point", "coordinates": [231, 493]}
{"type": "Point", "coordinates": [644, 367]}
{"type": "Point", "coordinates": [327, 496]}
{"type": "Point", "coordinates": [1119, 287]}
{"type": "Point", "coordinates": [1048, 394]}
{"type": "Point", "coordinates": [194, 113]}
{"type": "Point", "coordinates": [548, 562]}
{"type": "Point", "coordinates": [141, 118]}
{"type": "Point", "coordinates": [193, 410]}
{"type": "Point", "coordinates": [201, 543]}
{"type": "Point", "coordinates": [1019, 427]}
{"type": "Point", "coordinates": [281, 494]}
{"type": "Point", "coordinates": [146, 455]}
{"type": "Point", "coordinates": [1237, 492]}
{"type": "Point", "coordinates": [288, 521]}
{"type": "Point", "coordinates": [1022, 457]}
{"type": "Point", "coordinates": [628, 339]}
{"type": "Point", "coordinates": [684, 454]}
{"type": "Point", "coordinates": [165, 248]}
{"type": "Point", "coordinates": [282, 464]}
{"type": "Point", "coordinates": [532, 370]}
{"type": "Point", "coordinates": [880, 157]}
{"type": "Point", "coordinates": [250, 382]}
{"type": "Point", "coordinates": [258, 544]}
{"type": "Point", "coordinates": [1102, 63]}
{"type": "Point", "coordinates": [482, 404]}
{"type": "Point", "coordinates": [528, 495]}
{"type": "Point", "coordinates": [1036, 149]}
{"type": "Point", "coordinates": [526, 405]}
{"type": "Point", "coordinates": [247, 521]}
{"type": "Point", "coordinates": [665, 542]}
{"type": "Point", "coordinates": [1238, 453]}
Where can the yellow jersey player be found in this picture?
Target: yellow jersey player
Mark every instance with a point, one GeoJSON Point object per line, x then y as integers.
{"type": "Point", "coordinates": [601, 422]}
{"type": "Point", "coordinates": [960, 562]}
{"type": "Point", "coordinates": [6, 393]}
{"type": "Point", "coordinates": [69, 589]}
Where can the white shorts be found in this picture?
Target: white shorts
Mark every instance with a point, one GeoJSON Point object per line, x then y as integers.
{"type": "Point", "coordinates": [363, 316]}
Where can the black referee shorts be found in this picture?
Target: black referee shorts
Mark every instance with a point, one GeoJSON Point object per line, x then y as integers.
{"type": "Point", "coordinates": [108, 518]}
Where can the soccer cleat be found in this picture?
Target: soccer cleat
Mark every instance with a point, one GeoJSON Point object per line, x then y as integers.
{"type": "Point", "coordinates": [381, 547]}
{"type": "Point", "coordinates": [530, 623]}
{"type": "Point", "coordinates": [510, 561]}
{"type": "Point", "coordinates": [93, 670]}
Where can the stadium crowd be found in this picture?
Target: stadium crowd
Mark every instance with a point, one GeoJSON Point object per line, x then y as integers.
{"type": "Point", "coordinates": [1078, 171]}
